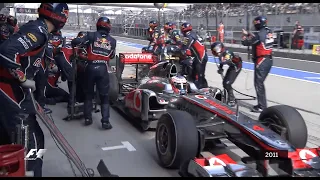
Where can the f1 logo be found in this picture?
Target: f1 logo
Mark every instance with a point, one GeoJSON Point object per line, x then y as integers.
{"type": "Point", "coordinates": [34, 152]}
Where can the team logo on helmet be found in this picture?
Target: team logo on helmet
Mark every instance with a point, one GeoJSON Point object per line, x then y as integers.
{"type": "Point", "coordinates": [65, 12]}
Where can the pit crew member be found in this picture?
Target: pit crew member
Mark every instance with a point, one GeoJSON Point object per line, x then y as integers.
{"type": "Point", "coordinates": [15, 59]}
{"type": "Point", "coordinates": [194, 48]}
{"type": "Point", "coordinates": [262, 43]}
{"type": "Point", "coordinates": [100, 48]}
{"type": "Point", "coordinates": [235, 65]}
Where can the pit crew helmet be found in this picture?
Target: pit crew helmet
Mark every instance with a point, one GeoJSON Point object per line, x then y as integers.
{"type": "Point", "coordinates": [153, 24]}
{"type": "Point", "coordinates": [104, 24]}
{"type": "Point", "coordinates": [217, 48]}
{"type": "Point", "coordinates": [185, 27]}
{"type": "Point", "coordinates": [260, 22]}
{"type": "Point", "coordinates": [12, 21]}
{"type": "Point", "coordinates": [56, 13]}
{"type": "Point", "coordinates": [169, 26]}
{"type": "Point", "coordinates": [175, 35]}
{"type": "Point", "coordinates": [3, 18]}
{"type": "Point", "coordinates": [81, 34]}
{"type": "Point", "coordinates": [179, 84]}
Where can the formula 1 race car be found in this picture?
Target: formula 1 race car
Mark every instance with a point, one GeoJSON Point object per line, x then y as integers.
{"type": "Point", "coordinates": [163, 63]}
{"type": "Point", "coordinates": [145, 99]}
{"type": "Point", "coordinates": [194, 125]}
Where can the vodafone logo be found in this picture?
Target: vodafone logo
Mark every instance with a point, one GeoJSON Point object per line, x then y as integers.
{"type": "Point", "coordinates": [138, 56]}
{"type": "Point", "coordinates": [306, 154]}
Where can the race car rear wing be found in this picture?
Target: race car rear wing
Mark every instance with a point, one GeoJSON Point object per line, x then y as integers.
{"type": "Point", "coordinates": [136, 58]}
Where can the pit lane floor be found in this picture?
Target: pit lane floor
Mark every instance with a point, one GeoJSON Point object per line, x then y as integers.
{"type": "Point", "coordinates": [142, 159]}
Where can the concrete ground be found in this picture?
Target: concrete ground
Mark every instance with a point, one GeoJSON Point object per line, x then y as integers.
{"type": "Point", "coordinates": [139, 158]}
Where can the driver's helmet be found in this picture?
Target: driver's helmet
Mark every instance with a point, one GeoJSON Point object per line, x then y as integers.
{"type": "Point", "coordinates": [179, 84]}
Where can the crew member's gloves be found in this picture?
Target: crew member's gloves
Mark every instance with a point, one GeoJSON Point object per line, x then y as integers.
{"type": "Point", "coordinates": [220, 71]}
{"type": "Point", "coordinates": [29, 84]}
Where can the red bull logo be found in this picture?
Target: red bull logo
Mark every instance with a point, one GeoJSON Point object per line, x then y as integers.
{"type": "Point", "coordinates": [102, 43]}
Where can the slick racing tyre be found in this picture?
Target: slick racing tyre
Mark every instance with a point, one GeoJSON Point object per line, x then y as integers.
{"type": "Point", "coordinates": [176, 139]}
{"type": "Point", "coordinates": [283, 116]}
{"type": "Point", "coordinates": [114, 88]}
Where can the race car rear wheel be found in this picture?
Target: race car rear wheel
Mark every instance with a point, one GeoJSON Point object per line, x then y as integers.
{"type": "Point", "coordinates": [283, 116]}
{"type": "Point", "coordinates": [114, 88]}
{"type": "Point", "coordinates": [176, 139]}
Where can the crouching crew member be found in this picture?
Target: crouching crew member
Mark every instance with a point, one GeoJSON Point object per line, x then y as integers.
{"type": "Point", "coordinates": [235, 65]}
{"type": "Point", "coordinates": [100, 49]}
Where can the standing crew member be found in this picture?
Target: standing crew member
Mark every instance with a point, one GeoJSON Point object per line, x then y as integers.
{"type": "Point", "coordinates": [175, 38]}
{"type": "Point", "coordinates": [53, 93]}
{"type": "Point", "coordinates": [193, 47]}
{"type": "Point", "coordinates": [81, 64]}
{"type": "Point", "coordinates": [100, 48]}
{"type": "Point", "coordinates": [40, 77]}
{"type": "Point", "coordinates": [221, 32]}
{"type": "Point", "coordinates": [235, 65]}
{"type": "Point", "coordinates": [168, 28]}
{"type": "Point", "coordinates": [157, 44]}
{"type": "Point", "coordinates": [262, 43]}
{"type": "Point", "coordinates": [150, 35]}
{"type": "Point", "coordinates": [152, 26]}
{"type": "Point", "coordinates": [15, 53]}
{"type": "Point", "coordinates": [297, 36]}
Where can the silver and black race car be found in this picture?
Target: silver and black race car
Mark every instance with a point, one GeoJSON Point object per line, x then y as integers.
{"type": "Point", "coordinates": [194, 125]}
{"type": "Point", "coordinates": [146, 98]}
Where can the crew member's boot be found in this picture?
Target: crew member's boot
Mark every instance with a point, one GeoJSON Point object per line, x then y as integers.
{"type": "Point", "coordinates": [87, 122]}
{"type": "Point", "coordinates": [256, 109]}
{"type": "Point", "coordinates": [106, 125]}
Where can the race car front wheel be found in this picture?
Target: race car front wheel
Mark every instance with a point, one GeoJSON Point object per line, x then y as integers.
{"type": "Point", "coordinates": [176, 139]}
{"type": "Point", "coordinates": [288, 122]}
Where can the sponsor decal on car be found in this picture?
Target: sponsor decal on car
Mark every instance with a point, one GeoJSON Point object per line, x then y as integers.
{"type": "Point", "coordinates": [220, 107]}
{"type": "Point", "coordinates": [134, 101]}
{"type": "Point", "coordinates": [138, 56]}
{"type": "Point", "coordinates": [200, 97]}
